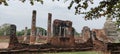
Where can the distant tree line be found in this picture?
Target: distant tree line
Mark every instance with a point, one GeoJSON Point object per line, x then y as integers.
{"type": "Point", "coordinates": [5, 31]}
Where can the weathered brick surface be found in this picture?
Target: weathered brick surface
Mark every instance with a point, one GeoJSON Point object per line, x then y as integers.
{"type": "Point", "coordinates": [62, 41]}
{"type": "Point", "coordinates": [56, 27]}
{"type": "Point", "coordinates": [99, 40]}
{"type": "Point", "coordinates": [63, 34]}
{"type": "Point", "coordinates": [32, 39]}
{"type": "Point", "coordinates": [33, 28]}
{"type": "Point", "coordinates": [13, 39]}
{"type": "Point", "coordinates": [101, 35]}
{"type": "Point", "coordinates": [86, 33]}
{"type": "Point", "coordinates": [49, 24]}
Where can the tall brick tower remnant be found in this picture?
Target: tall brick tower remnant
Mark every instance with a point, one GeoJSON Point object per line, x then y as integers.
{"type": "Point", "coordinates": [13, 38]}
{"type": "Point", "coordinates": [33, 28]}
{"type": "Point", "coordinates": [49, 24]}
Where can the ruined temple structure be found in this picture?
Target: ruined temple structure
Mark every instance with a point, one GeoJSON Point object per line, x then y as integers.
{"type": "Point", "coordinates": [101, 35]}
{"type": "Point", "coordinates": [60, 37]}
{"type": "Point", "coordinates": [14, 43]}
{"type": "Point", "coordinates": [92, 37]}
{"type": "Point", "coordinates": [111, 29]}
{"type": "Point", "coordinates": [63, 34]}
{"type": "Point", "coordinates": [13, 39]}
{"type": "Point", "coordinates": [85, 33]}
{"type": "Point", "coordinates": [99, 40]}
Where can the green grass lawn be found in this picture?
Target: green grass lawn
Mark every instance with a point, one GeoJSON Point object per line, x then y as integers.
{"type": "Point", "coordinates": [83, 52]}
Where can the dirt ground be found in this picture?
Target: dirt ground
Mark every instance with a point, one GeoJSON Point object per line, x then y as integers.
{"type": "Point", "coordinates": [3, 45]}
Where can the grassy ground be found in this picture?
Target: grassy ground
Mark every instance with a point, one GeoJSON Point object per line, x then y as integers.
{"type": "Point", "coordinates": [80, 52]}
{"type": "Point", "coordinates": [83, 52]}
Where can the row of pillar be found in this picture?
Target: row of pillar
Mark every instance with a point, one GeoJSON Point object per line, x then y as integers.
{"type": "Point", "coordinates": [33, 27]}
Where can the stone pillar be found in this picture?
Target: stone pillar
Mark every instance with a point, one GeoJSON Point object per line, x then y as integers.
{"type": "Point", "coordinates": [56, 27]}
{"type": "Point", "coordinates": [37, 34]}
{"type": "Point", "coordinates": [49, 24]}
{"type": "Point", "coordinates": [86, 33]}
{"type": "Point", "coordinates": [94, 35]}
{"type": "Point", "coordinates": [13, 39]}
{"type": "Point", "coordinates": [33, 28]}
{"type": "Point", "coordinates": [25, 35]}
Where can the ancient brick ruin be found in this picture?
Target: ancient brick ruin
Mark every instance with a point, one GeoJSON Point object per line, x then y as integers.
{"type": "Point", "coordinates": [63, 37]}
{"type": "Point", "coordinates": [33, 28]}
{"type": "Point", "coordinates": [49, 24]}
{"type": "Point", "coordinates": [60, 37]}
{"type": "Point", "coordinates": [13, 39]}
{"type": "Point", "coordinates": [110, 29]}
{"type": "Point", "coordinates": [63, 34]}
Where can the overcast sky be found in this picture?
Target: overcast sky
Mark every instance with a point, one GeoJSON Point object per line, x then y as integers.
{"type": "Point", "coordinates": [20, 14]}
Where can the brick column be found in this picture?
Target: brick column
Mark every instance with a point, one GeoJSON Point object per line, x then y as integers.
{"type": "Point", "coordinates": [25, 35]}
{"type": "Point", "coordinates": [37, 34]}
{"type": "Point", "coordinates": [13, 39]}
{"type": "Point", "coordinates": [33, 28]}
{"type": "Point", "coordinates": [49, 24]}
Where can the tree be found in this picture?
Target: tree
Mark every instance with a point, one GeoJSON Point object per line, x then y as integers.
{"type": "Point", "coordinates": [41, 30]}
{"type": "Point", "coordinates": [31, 2]}
{"type": "Point", "coordinates": [107, 8]}
{"type": "Point", "coordinates": [5, 29]}
{"type": "Point", "coordinates": [20, 33]}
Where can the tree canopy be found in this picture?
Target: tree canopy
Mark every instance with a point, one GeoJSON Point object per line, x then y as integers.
{"type": "Point", "coordinates": [107, 8]}
{"type": "Point", "coordinates": [5, 29]}
{"type": "Point", "coordinates": [41, 30]}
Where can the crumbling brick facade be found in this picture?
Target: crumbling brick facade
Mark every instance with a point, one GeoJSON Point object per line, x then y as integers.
{"type": "Point", "coordinates": [49, 24]}
{"type": "Point", "coordinates": [13, 39]}
{"type": "Point", "coordinates": [63, 34]}
{"type": "Point", "coordinates": [33, 28]}
{"type": "Point", "coordinates": [85, 33]}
